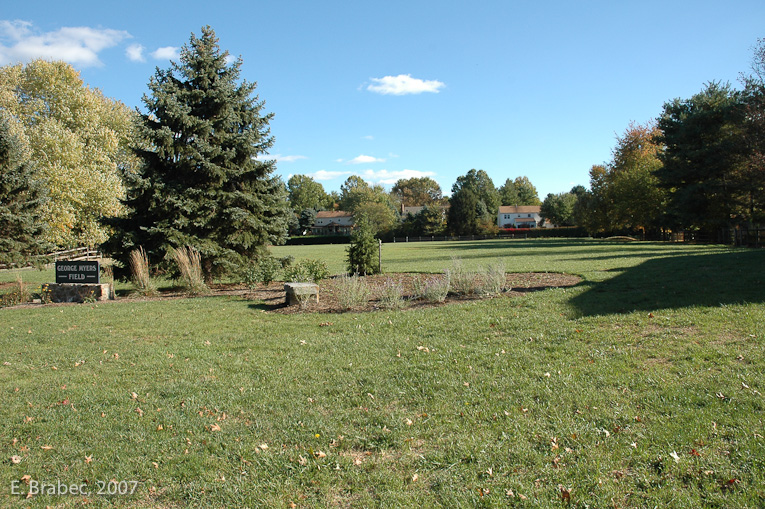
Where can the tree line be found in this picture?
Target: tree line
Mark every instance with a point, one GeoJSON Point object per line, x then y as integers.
{"type": "Point", "coordinates": [471, 209]}
{"type": "Point", "coordinates": [79, 168]}
{"type": "Point", "coordinates": [700, 167]}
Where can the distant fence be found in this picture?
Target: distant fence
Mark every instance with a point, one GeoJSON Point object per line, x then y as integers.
{"type": "Point", "coordinates": [741, 237]}
{"type": "Point", "coordinates": [67, 255]}
{"type": "Point", "coordinates": [74, 255]}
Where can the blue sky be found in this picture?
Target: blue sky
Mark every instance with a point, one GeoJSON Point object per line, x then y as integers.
{"type": "Point", "coordinates": [395, 89]}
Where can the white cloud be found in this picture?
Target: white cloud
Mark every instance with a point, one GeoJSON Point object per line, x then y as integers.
{"type": "Point", "coordinates": [362, 159]}
{"type": "Point", "coordinates": [368, 137]}
{"type": "Point", "coordinates": [20, 42]}
{"type": "Point", "coordinates": [391, 177]}
{"type": "Point", "coordinates": [166, 53]}
{"type": "Point", "coordinates": [328, 175]}
{"type": "Point", "coordinates": [404, 84]}
{"type": "Point", "coordinates": [288, 159]}
{"type": "Point", "coordinates": [134, 52]}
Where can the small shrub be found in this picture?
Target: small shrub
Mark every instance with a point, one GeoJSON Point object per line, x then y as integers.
{"type": "Point", "coordinates": [433, 289]}
{"type": "Point", "coordinates": [296, 274]}
{"type": "Point", "coordinates": [363, 251]}
{"type": "Point", "coordinates": [264, 270]}
{"type": "Point", "coordinates": [306, 271]}
{"type": "Point", "coordinates": [391, 294]}
{"type": "Point", "coordinates": [493, 279]}
{"type": "Point", "coordinates": [352, 292]}
{"type": "Point", "coordinates": [317, 269]}
{"type": "Point", "coordinates": [286, 261]}
{"type": "Point", "coordinates": [462, 281]}
{"type": "Point", "coordinates": [141, 277]}
{"type": "Point", "coordinates": [189, 263]}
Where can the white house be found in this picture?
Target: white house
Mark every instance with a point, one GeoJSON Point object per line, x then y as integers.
{"type": "Point", "coordinates": [332, 222]}
{"type": "Point", "coordinates": [523, 216]}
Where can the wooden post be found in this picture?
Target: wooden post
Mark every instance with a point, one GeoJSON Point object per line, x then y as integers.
{"type": "Point", "coordinates": [379, 256]}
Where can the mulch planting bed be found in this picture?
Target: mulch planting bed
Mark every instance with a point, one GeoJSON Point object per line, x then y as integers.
{"type": "Point", "coordinates": [272, 296]}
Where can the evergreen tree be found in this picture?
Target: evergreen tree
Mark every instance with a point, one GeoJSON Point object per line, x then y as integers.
{"type": "Point", "coordinates": [21, 198]}
{"type": "Point", "coordinates": [202, 182]}
{"type": "Point", "coordinates": [704, 152]}
{"type": "Point", "coordinates": [362, 253]}
{"type": "Point", "coordinates": [464, 213]}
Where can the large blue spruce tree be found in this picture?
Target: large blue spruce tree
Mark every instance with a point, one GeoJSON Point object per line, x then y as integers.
{"type": "Point", "coordinates": [21, 199]}
{"type": "Point", "coordinates": [203, 181]}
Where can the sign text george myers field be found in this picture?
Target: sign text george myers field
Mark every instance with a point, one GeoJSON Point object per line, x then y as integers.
{"type": "Point", "coordinates": [78, 272]}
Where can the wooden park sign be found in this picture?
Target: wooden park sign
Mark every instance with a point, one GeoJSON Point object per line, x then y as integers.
{"type": "Point", "coordinates": [86, 272]}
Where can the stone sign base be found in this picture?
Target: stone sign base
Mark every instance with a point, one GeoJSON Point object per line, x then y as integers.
{"type": "Point", "coordinates": [79, 292]}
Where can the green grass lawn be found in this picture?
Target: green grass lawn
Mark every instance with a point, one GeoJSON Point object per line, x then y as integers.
{"type": "Point", "coordinates": [640, 387]}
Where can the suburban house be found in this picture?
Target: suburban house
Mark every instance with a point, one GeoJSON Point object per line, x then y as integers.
{"type": "Point", "coordinates": [332, 222]}
{"type": "Point", "coordinates": [523, 216]}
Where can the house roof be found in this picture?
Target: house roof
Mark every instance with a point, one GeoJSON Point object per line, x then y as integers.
{"type": "Point", "coordinates": [325, 214]}
{"type": "Point", "coordinates": [520, 209]}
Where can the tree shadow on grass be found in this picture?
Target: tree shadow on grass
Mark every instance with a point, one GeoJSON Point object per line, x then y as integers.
{"type": "Point", "coordinates": [678, 281]}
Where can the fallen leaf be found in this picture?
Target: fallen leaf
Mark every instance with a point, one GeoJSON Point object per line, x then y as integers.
{"type": "Point", "coordinates": [415, 477]}
{"type": "Point", "coordinates": [156, 465]}
{"type": "Point", "coordinates": [46, 447]}
{"type": "Point", "coordinates": [320, 454]}
{"type": "Point", "coordinates": [15, 460]}
{"type": "Point", "coordinates": [139, 412]}
{"type": "Point", "coordinates": [302, 461]}
{"type": "Point", "coordinates": [214, 427]}
{"type": "Point", "coordinates": [675, 457]}
{"type": "Point", "coordinates": [26, 478]}
{"type": "Point", "coordinates": [88, 459]}
{"type": "Point", "coordinates": [263, 447]}
{"type": "Point", "coordinates": [133, 395]}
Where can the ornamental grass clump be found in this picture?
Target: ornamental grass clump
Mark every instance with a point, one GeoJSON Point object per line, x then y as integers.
{"type": "Point", "coordinates": [18, 295]}
{"type": "Point", "coordinates": [352, 292]}
{"type": "Point", "coordinates": [189, 262]}
{"type": "Point", "coordinates": [141, 276]}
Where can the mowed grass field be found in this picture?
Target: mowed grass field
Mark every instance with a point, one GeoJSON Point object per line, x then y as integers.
{"type": "Point", "coordinates": [640, 387]}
